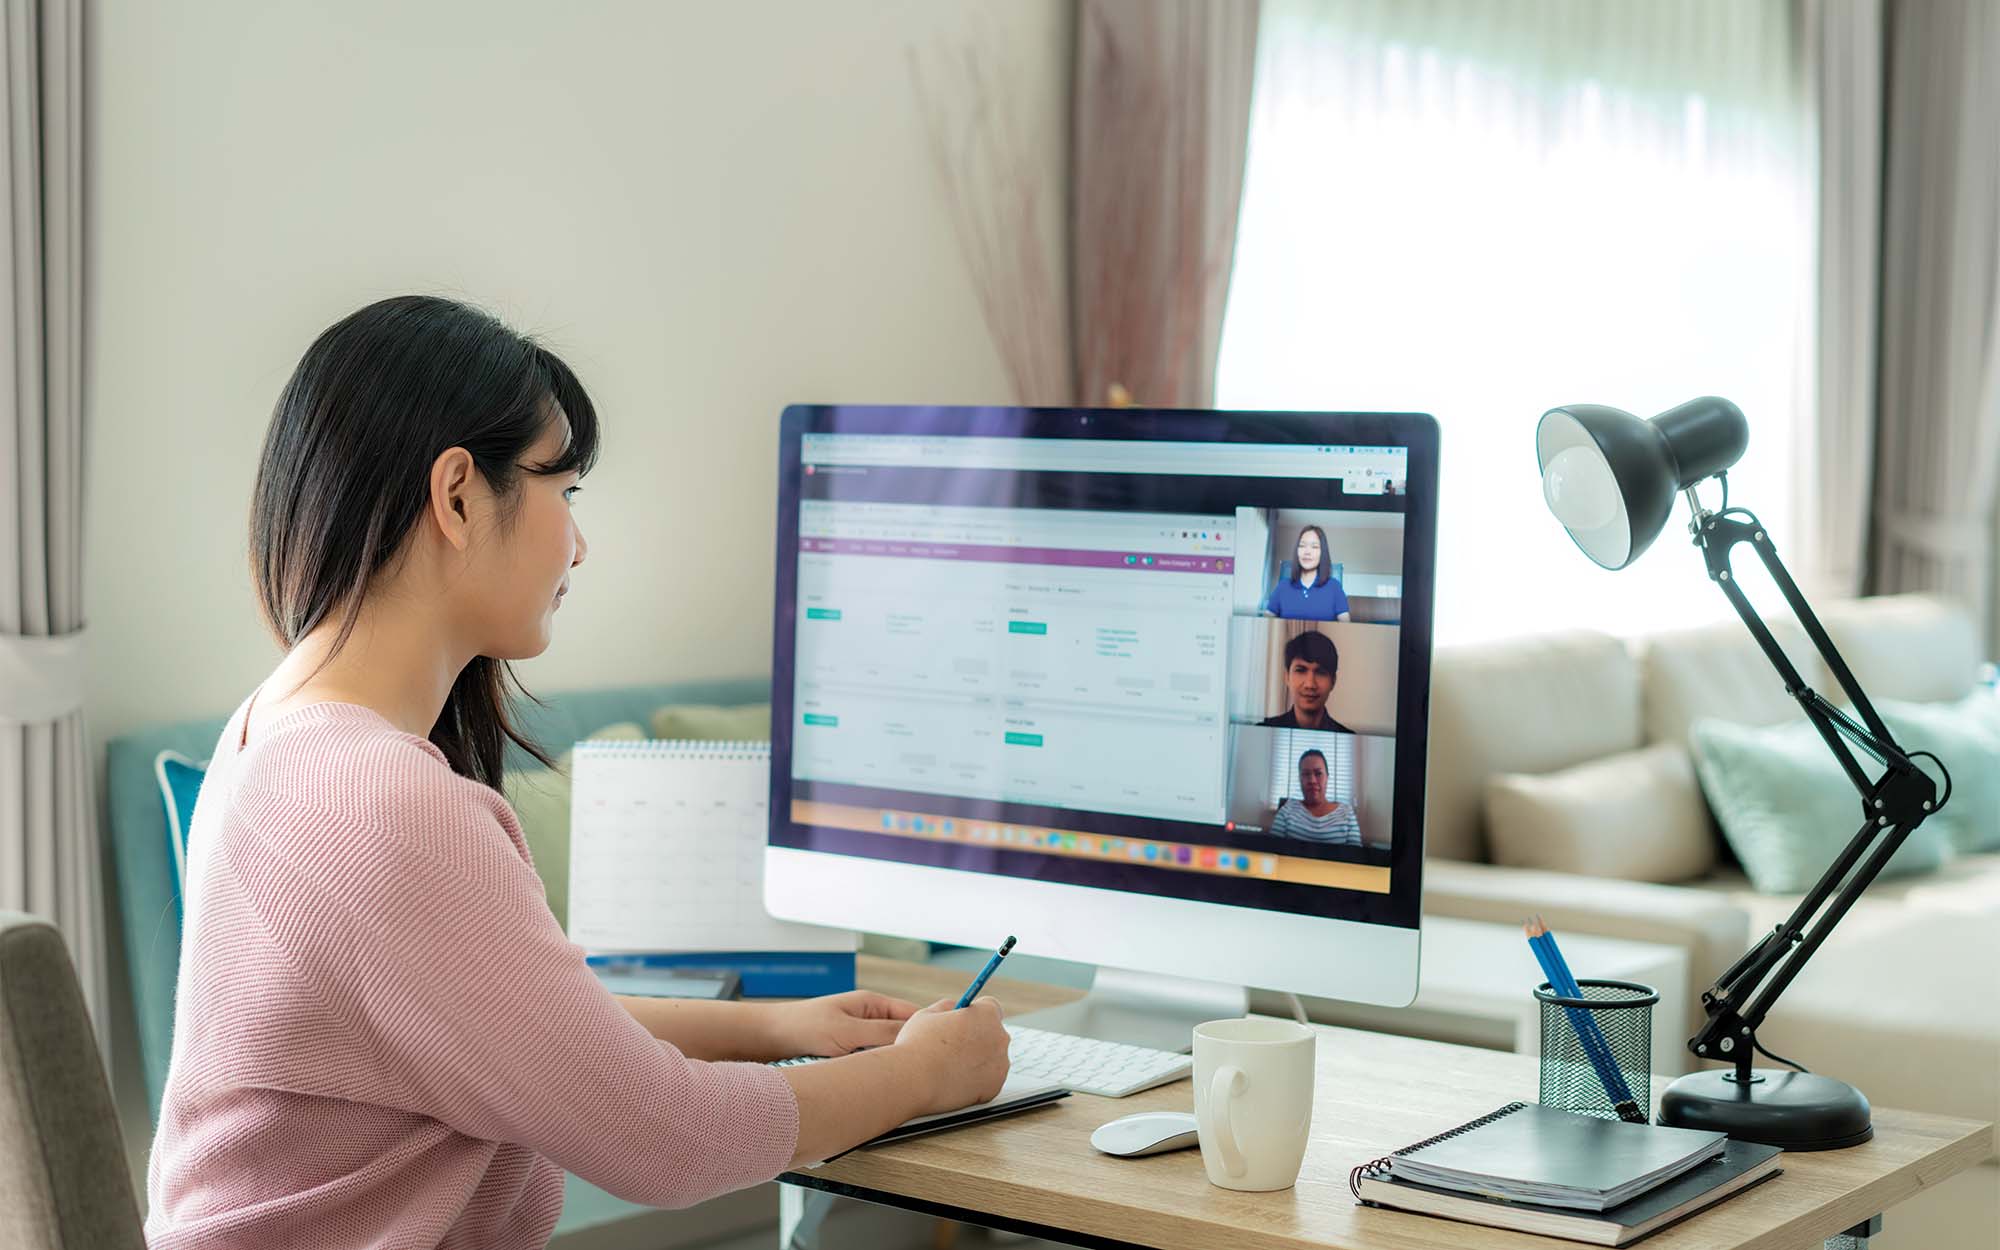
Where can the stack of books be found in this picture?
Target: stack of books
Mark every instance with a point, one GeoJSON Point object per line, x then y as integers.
{"type": "Point", "coordinates": [1540, 1170]}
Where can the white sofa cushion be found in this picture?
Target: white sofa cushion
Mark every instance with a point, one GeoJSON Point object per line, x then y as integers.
{"type": "Point", "coordinates": [1903, 1000]}
{"type": "Point", "coordinates": [1719, 670]}
{"type": "Point", "coordinates": [1529, 705]}
{"type": "Point", "coordinates": [1711, 927]}
{"type": "Point", "coordinates": [1637, 816]}
{"type": "Point", "coordinates": [1918, 648]}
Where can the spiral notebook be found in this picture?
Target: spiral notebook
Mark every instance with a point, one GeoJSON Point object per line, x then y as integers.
{"type": "Point", "coordinates": [1541, 1170]}
{"type": "Point", "coordinates": [666, 868]}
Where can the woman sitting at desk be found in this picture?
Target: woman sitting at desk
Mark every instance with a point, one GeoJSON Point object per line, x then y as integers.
{"type": "Point", "coordinates": [1311, 593]}
{"type": "Point", "coordinates": [383, 1037]}
{"type": "Point", "coordinates": [1316, 818]}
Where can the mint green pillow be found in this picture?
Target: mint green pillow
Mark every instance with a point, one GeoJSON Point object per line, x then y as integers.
{"type": "Point", "coordinates": [540, 799]}
{"type": "Point", "coordinates": [703, 722]}
{"type": "Point", "coordinates": [1787, 807]}
{"type": "Point", "coordinates": [1966, 736]}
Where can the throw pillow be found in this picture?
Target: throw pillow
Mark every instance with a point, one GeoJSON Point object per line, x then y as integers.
{"type": "Point", "coordinates": [1786, 805]}
{"type": "Point", "coordinates": [540, 799]}
{"type": "Point", "coordinates": [1966, 736]}
{"type": "Point", "coordinates": [180, 781]}
{"type": "Point", "coordinates": [1637, 816]}
{"type": "Point", "coordinates": [701, 722]}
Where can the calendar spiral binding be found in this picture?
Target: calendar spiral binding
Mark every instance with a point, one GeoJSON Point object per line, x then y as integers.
{"type": "Point", "coordinates": [676, 749]}
{"type": "Point", "coordinates": [1375, 1169]}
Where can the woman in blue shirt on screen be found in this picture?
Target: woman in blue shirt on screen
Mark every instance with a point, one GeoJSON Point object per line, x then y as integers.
{"type": "Point", "coordinates": [1311, 593]}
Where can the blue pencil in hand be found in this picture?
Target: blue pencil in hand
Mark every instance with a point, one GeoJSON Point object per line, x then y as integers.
{"type": "Point", "coordinates": [1595, 1046]}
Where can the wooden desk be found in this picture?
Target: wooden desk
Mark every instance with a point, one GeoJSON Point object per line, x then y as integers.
{"type": "Point", "coordinates": [1036, 1172]}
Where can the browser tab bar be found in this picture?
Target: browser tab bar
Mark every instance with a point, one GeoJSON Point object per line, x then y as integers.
{"type": "Point", "coordinates": [1204, 459]}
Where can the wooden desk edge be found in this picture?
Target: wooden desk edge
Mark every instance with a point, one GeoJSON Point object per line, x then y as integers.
{"type": "Point", "coordinates": [1966, 1145]}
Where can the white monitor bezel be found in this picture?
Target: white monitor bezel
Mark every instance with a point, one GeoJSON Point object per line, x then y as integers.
{"type": "Point", "coordinates": [1345, 959]}
{"type": "Point", "coordinates": [1355, 960]}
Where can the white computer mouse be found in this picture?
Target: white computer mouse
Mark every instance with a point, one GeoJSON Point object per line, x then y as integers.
{"type": "Point", "coordinates": [1148, 1133]}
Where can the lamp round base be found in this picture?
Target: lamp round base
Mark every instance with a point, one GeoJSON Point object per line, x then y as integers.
{"type": "Point", "coordinates": [1777, 1107]}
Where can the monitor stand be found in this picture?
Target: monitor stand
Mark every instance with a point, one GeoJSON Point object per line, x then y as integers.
{"type": "Point", "coordinates": [1142, 1009]}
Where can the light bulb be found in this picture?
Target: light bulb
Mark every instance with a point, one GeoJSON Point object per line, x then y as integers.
{"type": "Point", "coordinates": [1580, 488]}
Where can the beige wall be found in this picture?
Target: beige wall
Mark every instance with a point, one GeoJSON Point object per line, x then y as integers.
{"type": "Point", "coordinates": [710, 209]}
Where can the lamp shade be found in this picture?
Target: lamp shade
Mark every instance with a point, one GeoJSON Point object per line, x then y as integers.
{"type": "Point", "coordinates": [1611, 477]}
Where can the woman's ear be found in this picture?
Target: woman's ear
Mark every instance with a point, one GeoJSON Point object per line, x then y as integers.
{"type": "Point", "coordinates": [451, 485]}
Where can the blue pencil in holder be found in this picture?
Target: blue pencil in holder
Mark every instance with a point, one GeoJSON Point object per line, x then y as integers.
{"type": "Point", "coordinates": [1619, 1014]}
{"type": "Point", "coordinates": [1596, 1049]}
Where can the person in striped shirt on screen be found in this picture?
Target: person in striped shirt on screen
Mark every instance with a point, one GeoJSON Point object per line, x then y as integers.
{"type": "Point", "coordinates": [1314, 817]}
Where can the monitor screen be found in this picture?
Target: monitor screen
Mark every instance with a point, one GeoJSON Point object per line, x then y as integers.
{"type": "Point", "coordinates": [1183, 654]}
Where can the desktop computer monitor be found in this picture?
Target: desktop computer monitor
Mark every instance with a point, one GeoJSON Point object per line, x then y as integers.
{"type": "Point", "coordinates": [1086, 676]}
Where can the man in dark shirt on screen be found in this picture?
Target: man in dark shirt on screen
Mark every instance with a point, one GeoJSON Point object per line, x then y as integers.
{"type": "Point", "coordinates": [1312, 665]}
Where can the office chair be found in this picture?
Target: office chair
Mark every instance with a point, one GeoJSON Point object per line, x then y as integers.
{"type": "Point", "coordinates": [63, 1181]}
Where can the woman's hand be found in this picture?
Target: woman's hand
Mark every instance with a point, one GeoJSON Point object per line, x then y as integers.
{"type": "Point", "coordinates": [838, 1024]}
{"type": "Point", "coordinates": [942, 1060]}
{"type": "Point", "coordinates": [964, 1051]}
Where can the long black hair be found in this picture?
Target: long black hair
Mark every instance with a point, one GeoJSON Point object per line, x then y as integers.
{"type": "Point", "coordinates": [1321, 573]}
{"type": "Point", "coordinates": [345, 476]}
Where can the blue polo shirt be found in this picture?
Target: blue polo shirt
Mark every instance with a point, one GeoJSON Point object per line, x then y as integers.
{"type": "Point", "coordinates": [1322, 602]}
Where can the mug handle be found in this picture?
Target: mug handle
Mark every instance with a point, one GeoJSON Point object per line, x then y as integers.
{"type": "Point", "coordinates": [1223, 1087]}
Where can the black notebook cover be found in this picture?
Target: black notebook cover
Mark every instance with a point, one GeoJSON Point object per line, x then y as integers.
{"type": "Point", "coordinates": [1688, 1190]}
{"type": "Point", "coordinates": [1527, 1152]}
{"type": "Point", "coordinates": [979, 1112]}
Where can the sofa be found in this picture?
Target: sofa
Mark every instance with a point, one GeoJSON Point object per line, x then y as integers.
{"type": "Point", "coordinates": [1902, 1001]}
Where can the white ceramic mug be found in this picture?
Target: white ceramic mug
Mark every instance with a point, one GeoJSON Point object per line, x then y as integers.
{"type": "Point", "coordinates": [1253, 1096]}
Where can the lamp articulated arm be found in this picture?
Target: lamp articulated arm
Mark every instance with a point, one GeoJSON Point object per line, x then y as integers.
{"type": "Point", "coordinates": [1892, 805]}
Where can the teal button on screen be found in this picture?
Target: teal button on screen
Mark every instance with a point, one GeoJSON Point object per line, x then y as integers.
{"type": "Point", "coordinates": [1024, 740]}
{"type": "Point", "coordinates": [822, 614]}
{"type": "Point", "coordinates": [1027, 627]}
{"type": "Point", "coordinates": [820, 718]}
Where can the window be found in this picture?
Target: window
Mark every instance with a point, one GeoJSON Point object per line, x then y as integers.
{"type": "Point", "coordinates": [1483, 210]}
{"type": "Point", "coordinates": [1290, 744]}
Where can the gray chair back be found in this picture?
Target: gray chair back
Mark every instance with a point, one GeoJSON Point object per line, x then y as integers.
{"type": "Point", "coordinates": [63, 1183]}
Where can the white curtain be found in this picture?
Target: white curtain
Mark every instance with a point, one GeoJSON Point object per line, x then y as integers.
{"type": "Point", "coordinates": [1843, 43]}
{"type": "Point", "coordinates": [1938, 450]}
{"type": "Point", "coordinates": [48, 837]}
{"type": "Point", "coordinates": [1484, 210]}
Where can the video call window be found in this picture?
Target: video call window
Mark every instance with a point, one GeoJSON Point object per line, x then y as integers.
{"type": "Point", "coordinates": [1328, 789]}
{"type": "Point", "coordinates": [1224, 675]}
{"type": "Point", "coordinates": [1312, 778]}
{"type": "Point", "coordinates": [1332, 677]}
{"type": "Point", "coordinates": [1320, 565]}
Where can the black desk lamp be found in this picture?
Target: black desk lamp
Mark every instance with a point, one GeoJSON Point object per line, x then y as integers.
{"type": "Point", "coordinates": [1611, 479]}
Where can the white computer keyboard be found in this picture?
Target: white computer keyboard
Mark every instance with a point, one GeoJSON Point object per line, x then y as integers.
{"type": "Point", "coordinates": [1089, 1066]}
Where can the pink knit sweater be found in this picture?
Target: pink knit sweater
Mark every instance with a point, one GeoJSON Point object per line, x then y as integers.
{"type": "Point", "coordinates": [383, 1039]}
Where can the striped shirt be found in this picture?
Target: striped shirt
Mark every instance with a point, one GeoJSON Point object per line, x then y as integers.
{"type": "Point", "coordinates": [1338, 827]}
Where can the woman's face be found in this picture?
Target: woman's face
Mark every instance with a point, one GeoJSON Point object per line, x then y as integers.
{"type": "Point", "coordinates": [1312, 780]}
{"type": "Point", "coordinates": [520, 566]}
{"type": "Point", "coordinates": [1309, 552]}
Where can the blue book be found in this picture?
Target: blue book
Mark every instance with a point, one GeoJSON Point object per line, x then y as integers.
{"type": "Point", "coordinates": [764, 974]}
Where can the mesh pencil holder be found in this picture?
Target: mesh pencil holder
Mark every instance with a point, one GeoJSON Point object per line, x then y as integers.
{"type": "Point", "coordinates": [1623, 1011]}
